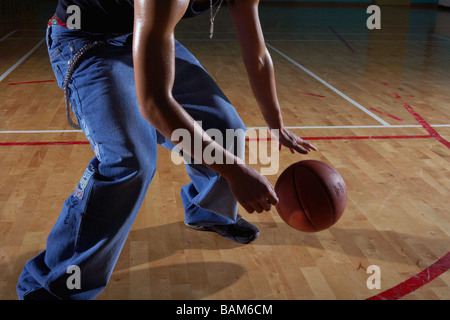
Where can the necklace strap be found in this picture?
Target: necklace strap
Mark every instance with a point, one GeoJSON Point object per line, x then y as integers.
{"type": "Point", "coordinates": [213, 17]}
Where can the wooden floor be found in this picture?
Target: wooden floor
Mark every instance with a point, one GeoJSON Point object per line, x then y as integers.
{"type": "Point", "coordinates": [376, 104]}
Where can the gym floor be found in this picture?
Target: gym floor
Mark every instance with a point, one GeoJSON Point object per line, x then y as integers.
{"type": "Point", "coordinates": [375, 102]}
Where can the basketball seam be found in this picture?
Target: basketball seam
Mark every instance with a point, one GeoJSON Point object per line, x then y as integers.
{"type": "Point", "coordinates": [300, 201]}
{"type": "Point", "coordinates": [325, 188]}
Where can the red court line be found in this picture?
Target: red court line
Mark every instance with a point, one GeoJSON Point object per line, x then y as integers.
{"type": "Point", "coordinates": [352, 138]}
{"type": "Point", "coordinates": [50, 143]}
{"type": "Point", "coordinates": [386, 114]}
{"type": "Point", "coordinates": [368, 137]}
{"type": "Point", "coordinates": [312, 94]}
{"type": "Point", "coordinates": [433, 133]}
{"type": "Point", "coordinates": [60, 143]}
{"type": "Point", "coordinates": [29, 82]}
{"type": "Point", "coordinates": [415, 282]}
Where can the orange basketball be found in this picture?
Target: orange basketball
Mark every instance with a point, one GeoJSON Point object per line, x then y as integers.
{"type": "Point", "coordinates": [312, 195]}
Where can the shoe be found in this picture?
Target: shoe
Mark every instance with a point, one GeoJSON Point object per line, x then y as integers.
{"type": "Point", "coordinates": [241, 231]}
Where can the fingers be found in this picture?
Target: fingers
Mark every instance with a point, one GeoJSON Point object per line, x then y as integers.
{"type": "Point", "coordinates": [263, 203]}
{"type": "Point", "coordinates": [248, 208]}
{"type": "Point", "coordinates": [294, 143]}
{"type": "Point", "coordinates": [272, 197]}
{"type": "Point", "coordinates": [299, 149]}
{"type": "Point", "coordinates": [308, 145]}
{"type": "Point", "coordinates": [256, 205]}
{"type": "Point", "coordinates": [260, 206]}
{"type": "Point", "coordinates": [301, 146]}
{"type": "Point", "coordinates": [305, 146]}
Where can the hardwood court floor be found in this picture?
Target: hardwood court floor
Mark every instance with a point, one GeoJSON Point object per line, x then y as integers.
{"type": "Point", "coordinates": [376, 104]}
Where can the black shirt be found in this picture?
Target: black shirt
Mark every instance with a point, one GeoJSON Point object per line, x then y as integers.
{"type": "Point", "coordinates": [112, 16]}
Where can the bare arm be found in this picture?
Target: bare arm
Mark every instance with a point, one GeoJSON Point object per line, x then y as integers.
{"type": "Point", "coordinates": [154, 64]}
{"type": "Point", "coordinates": [260, 70]}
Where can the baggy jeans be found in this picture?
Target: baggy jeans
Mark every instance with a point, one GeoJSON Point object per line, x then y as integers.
{"type": "Point", "coordinates": [97, 217]}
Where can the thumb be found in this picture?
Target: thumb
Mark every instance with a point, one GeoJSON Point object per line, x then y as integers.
{"type": "Point", "coordinates": [272, 197]}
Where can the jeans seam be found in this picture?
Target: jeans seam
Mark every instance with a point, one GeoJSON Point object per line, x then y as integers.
{"type": "Point", "coordinates": [83, 219]}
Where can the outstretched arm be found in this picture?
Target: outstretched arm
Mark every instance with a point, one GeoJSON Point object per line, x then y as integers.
{"type": "Point", "coordinates": [260, 70]}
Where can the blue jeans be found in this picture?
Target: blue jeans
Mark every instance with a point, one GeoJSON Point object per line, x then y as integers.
{"type": "Point", "coordinates": [96, 218]}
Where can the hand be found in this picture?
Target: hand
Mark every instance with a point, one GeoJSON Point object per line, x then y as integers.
{"type": "Point", "coordinates": [251, 189]}
{"type": "Point", "coordinates": [293, 142]}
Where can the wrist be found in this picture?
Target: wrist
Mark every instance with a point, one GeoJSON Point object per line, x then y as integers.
{"type": "Point", "coordinates": [228, 171]}
{"type": "Point", "coordinates": [275, 122]}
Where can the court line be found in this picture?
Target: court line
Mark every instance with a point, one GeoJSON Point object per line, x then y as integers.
{"type": "Point", "coordinates": [343, 40]}
{"type": "Point", "coordinates": [40, 131]}
{"type": "Point", "coordinates": [255, 128]}
{"type": "Point", "coordinates": [440, 37]}
{"type": "Point", "coordinates": [370, 137]}
{"type": "Point", "coordinates": [30, 82]}
{"type": "Point", "coordinates": [353, 41]}
{"type": "Point", "coordinates": [18, 63]}
{"type": "Point", "coordinates": [312, 94]}
{"type": "Point", "coordinates": [442, 42]}
{"type": "Point", "coordinates": [415, 282]}
{"type": "Point", "coordinates": [427, 126]}
{"type": "Point", "coordinates": [357, 127]}
{"type": "Point", "coordinates": [305, 33]}
{"type": "Point", "coordinates": [59, 143]}
{"type": "Point", "coordinates": [353, 138]}
{"type": "Point", "coordinates": [25, 38]}
{"type": "Point", "coordinates": [8, 35]}
{"type": "Point", "coordinates": [356, 104]}
{"type": "Point", "coordinates": [386, 114]}
{"type": "Point", "coordinates": [43, 143]}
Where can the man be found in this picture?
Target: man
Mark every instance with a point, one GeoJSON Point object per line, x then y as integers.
{"type": "Point", "coordinates": [131, 85]}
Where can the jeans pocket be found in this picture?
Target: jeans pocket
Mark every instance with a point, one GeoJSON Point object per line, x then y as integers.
{"type": "Point", "coordinates": [54, 54]}
{"type": "Point", "coordinates": [56, 59]}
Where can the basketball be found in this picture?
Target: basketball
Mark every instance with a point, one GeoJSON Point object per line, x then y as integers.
{"type": "Point", "coordinates": [312, 195]}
